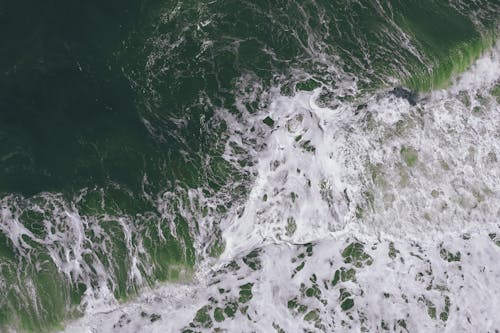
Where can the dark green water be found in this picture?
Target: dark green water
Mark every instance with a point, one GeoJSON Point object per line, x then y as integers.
{"type": "Point", "coordinates": [108, 123]}
{"type": "Point", "coordinates": [65, 97]}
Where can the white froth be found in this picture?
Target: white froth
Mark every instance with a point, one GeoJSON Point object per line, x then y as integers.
{"type": "Point", "coordinates": [421, 180]}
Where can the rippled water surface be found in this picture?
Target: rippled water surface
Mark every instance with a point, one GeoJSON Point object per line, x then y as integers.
{"type": "Point", "coordinates": [250, 166]}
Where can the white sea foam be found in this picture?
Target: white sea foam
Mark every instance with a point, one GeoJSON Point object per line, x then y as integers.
{"type": "Point", "coordinates": [415, 187]}
{"type": "Point", "coordinates": [392, 167]}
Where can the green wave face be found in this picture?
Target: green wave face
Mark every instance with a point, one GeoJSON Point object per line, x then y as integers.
{"type": "Point", "coordinates": [116, 164]}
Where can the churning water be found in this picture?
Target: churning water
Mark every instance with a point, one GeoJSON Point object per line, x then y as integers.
{"type": "Point", "coordinates": [283, 166]}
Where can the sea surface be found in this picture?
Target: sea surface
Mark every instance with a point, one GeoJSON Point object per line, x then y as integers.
{"type": "Point", "coordinates": [249, 166]}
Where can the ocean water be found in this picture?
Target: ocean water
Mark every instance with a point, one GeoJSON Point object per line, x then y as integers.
{"type": "Point", "coordinates": [250, 166]}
